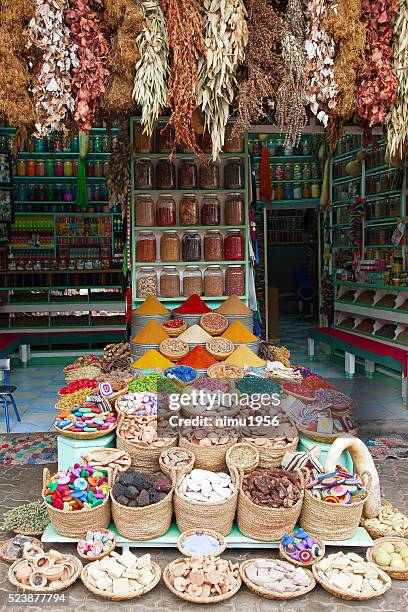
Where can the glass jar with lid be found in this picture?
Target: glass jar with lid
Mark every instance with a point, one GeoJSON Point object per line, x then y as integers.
{"type": "Point", "coordinates": [144, 211]}
{"type": "Point", "coordinates": [210, 176]}
{"type": "Point", "coordinates": [144, 174]}
{"type": "Point", "coordinates": [192, 281]}
{"type": "Point", "coordinates": [191, 246]}
{"type": "Point", "coordinates": [146, 282]}
{"type": "Point", "coordinates": [213, 246]}
{"type": "Point", "coordinates": [213, 281]}
{"type": "Point", "coordinates": [145, 247]}
{"type": "Point", "coordinates": [234, 210]}
{"type": "Point", "coordinates": [169, 282]}
{"type": "Point", "coordinates": [187, 174]}
{"type": "Point", "coordinates": [211, 210]}
{"type": "Point", "coordinates": [233, 174]}
{"type": "Point", "coordinates": [235, 280]}
{"type": "Point", "coordinates": [169, 246]}
{"type": "Point", "coordinates": [189, 210]}
{"type": "Point", "coordinates": [165, 174]}
{"type": "Point", "coordinates": [233, 143]}
{"type": "Point", "coordinates": [166, 211]}
{"type": "Point", "coordinates": [142, 142]}
{"type": "Point", "coordinates": [234, 246]}
{"type": "Point", "coordinates": [165, 138]}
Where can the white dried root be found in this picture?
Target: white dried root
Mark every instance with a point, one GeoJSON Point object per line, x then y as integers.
{"type": "Point", "coordinates": [226, 36]}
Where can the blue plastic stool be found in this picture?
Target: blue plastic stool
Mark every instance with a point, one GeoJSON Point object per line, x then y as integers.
{"type": "Point", "coordinates": [305, 444]}
{"type": "Point", "coordinates": [6, 393]}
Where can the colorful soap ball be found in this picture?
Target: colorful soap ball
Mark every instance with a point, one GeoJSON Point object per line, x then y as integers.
{"type": "Point", "coordinates": [301, 547]}
{"type": "Point", "coordinates": [96, 543]}
{"type": "Point", "coordinates": [337, 487]}
{"type": "Point", "coordinates": [77, 488]}
{"type": "Point", "coordinates": [90, 417]}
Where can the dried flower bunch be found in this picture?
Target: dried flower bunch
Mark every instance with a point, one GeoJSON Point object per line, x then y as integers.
{"type": "Point", "coordinates": [152, 69]}
{"type": "Point", "coordinates": [226, 35]}
{"type": "Point", "coordinates": [291, 97]}
{"type": "Point", "coordinates": [88, 83]}
{"type": "Point", "coordinates": [186, 41]}
{"type": "Point", "coordinates": [15, 102]}
{"type": "Point", "coordinates": [52, 83]}
{"type": "Point", "coordinates": [123, 20]}
{"type": "Point", "coordinates": [379, 85]}
{"type": "Point", "coordinates": [264, 66]}
{"type": "Point", "coordinates": [321, 90]}
{"type": "Point", "coordinates": [342, 23]}
{"type": "Point", "coordinates": [397, 118]}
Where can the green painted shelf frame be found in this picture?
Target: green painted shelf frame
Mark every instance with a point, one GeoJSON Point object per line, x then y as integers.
{"type": "Point", "coordinates": [215, 302]}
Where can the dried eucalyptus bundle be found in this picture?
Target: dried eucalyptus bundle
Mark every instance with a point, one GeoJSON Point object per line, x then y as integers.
{"type": "Point", "coordinates": [52, 83]}
{"type": "Point", "coordinates": [16, 104]}
{"type": "Point", "coordinates": [152, 69]}
{"type": "Point", "coordinates": [397, 118]}
{"type": "Point", "coordinates": [342, 22]}
{"type": "Point", "coordinates": [264, 66]}
{"type": "Point", "coordinates": [123, 20]}
{"type": "Point", "coordinates": [226, 35]}
{"type": "Point", "coordinates": [186, 42]}
{"type": "Point", "coordinates": [291, 96]}
{"type": "Point", "coordinates": [321, 89]}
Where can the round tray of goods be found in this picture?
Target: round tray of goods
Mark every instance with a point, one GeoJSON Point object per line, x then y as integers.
{"type": "Point", "coordinates": [261, 576]}
{"type": "Point", "coordinates": [391, 555]}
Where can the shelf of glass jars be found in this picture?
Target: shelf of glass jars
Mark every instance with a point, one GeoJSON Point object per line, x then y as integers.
{"type": "Point", "coordinates": [179, 299]}
{"type": "Point", "coordinates": [62, 272]}
{"type": "Point", "coordinates": [177, 155]}
{"type": "Point", "coordinates": [63, 306]}
{"type": "Point", "coordinates": [61, 154]}
{"type": "Point", "coordinates": [188, 263]}
{"type": "Point", "coordinates": [147, 228]}
{"type": "Point", "coordinates": [292, 158]}
{"type": "Point", "coordinates": [312, 202]}
{"type": "Point", "coordinates": [345, 179]}
{"type": "Point", "coordinates": [66, 214]}
{"type": "Point", "coordinates": [58, 179]}
{"type": "Point", "coordinates": [187, 191]}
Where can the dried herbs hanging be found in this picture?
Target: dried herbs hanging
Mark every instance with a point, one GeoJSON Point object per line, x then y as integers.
{"type": "Point", "coordinates": [152, 69]}
{"type": "Point", "coordinates": [264, 66]}
{"type": "Point", "coordinates": [321, 90]}
{"type": "Point", "coordinates": [342, 22]}
{"type": "Point", "coordinates": [291, 96]}
{"type": "Point", "coordinates": [15, 101]}
{"type": "Point", "coordinates": [51, 85]}
{"type": "Point", "coordinates": [123, 20]}
{"type": "Point", "coordinates": [226, 35]}
{"type": "Point", "coordinates": [397, 118]}
{"type": "Point", "coordinates": [118, 178]}
{"type": "Point", "coordinates": [88, 83]}
{"type": "Point", "coordinates": [185, 34]}
{"type": "Point", "coordinates": [379, 85]}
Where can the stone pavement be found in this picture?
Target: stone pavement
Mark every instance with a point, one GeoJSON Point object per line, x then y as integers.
{"type": "Point", "coordinates": [22, 484]}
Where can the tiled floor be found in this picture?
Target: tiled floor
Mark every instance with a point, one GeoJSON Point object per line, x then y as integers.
{"type": "Point", "coordinates": [378, 401]}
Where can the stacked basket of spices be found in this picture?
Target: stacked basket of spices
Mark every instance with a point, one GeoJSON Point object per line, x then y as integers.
{"type": "Point", "coordinates": [235, 310]}
{"type": "Point", "coordinates": [198, 358]}
{"type": "Point", "coordinates": [148, 338]}
{"type": "Point", "coordinates": [240, 335]}
{"type": "Point", "coordinates": [150, 310]}
{"type": "Point", "coordinates": [191, 310]}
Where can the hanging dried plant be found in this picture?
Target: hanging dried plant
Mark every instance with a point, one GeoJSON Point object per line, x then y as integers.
{"type": "Point", "coordinates": [291, 96]}
{"type": "Point", "coordinates": [152, 69]}
{"type": "Point", "coordinates": [226, 35]}
{"type": "Point", "coordinates": [397, 118]}
{"type": "Point", "coordinates": [342, 22]}
{"type": "Point", "coordinates": [264, 66]}
{"type": "Point", "coordinates": [124, 22]}
{"type": "Point", "coordinates": [185, 33]}
{"type": "Point", "coordinates": [321, 90]}
{"type": "Point", "coordinates": [51, 86]}
{"type": "Point", "coordinates": [15, 101]}
{"type": "Point", "coordinates": [379, 83]}
{"type": "Point", "coordinates": [84, 19]}
{"type": "Point", "coordinates": [118, 178]}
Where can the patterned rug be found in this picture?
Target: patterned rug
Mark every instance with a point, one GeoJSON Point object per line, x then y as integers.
{"type": "Point", "coordinates": [28, 449]}
{"type": "Point", "coordinates": [391, 445]}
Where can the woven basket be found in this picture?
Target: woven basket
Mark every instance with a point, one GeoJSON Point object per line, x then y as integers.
{"type": "Point", "coordinates": [219, 356]}
{"type": "Point", "coordinates": [394, 572]}
{"type": "Point", "coordinates": [273, 594]}
{"type": "Point", "coordinates": [210, 330]}
{"type": "Point", "coordinates": [376, 533]}
{"type": "Point", "coordinates": [238, 372]}
{"type": "Point", "coordinates": [143, 458]}
{"type": "Point", "coordinates": [174, 333]}
{"type": "Point", "coordinates": [272, 457]}
{"type": "Point", "coordinates": [208, 532]}
{"type": "Point", "coordinates": [198, 600]}
{"type": "Point", "coordinates": [75, 524]}
{"type": "Point", "coordinates": [4, 545]}
{"type": "Point", "coordinates": [172, 356]}
{"type": "Point", "coordinates": [177, 471]}
{"type": "Point", "coordinates": [212, 458]}
{"type": "Point", "coordinates": [102, 555]}
{"type": "Point", "coordinates": [133, 595]}
{"type": "Point", "coordinates": [28, 533]}
{"type": "Point", "coordinates": [263, 523]}
{"type": "Point", "coordinates": [331, 521]}
{"type": "Point", "coordinates": [287, 557]}
{"type": "Point", "coordinates": [201, 515]}
{"type": "Point", "coordinates": [86, 435]}
{"type": "Point", "coordinates": [40, 589]}
{"type": "Point", "coordinates": [145, 523]}
{"type": "Point", "coordinates": [251, 449]}
{"type": "Point", "coordinates": [342, 594]}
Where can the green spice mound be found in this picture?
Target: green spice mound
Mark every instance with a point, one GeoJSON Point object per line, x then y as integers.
{"type": "Point", "coordinates": [29, 518]}
{"type": "Point", "coordinates": [153, 382]}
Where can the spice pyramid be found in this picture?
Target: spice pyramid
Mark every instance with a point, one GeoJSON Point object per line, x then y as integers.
{"type": "Point", "coordinates": [151, 306]}
{"type": "Point", "coordinates": [237, 332]}
{"type": "Point", "coordinates": [193, 305]}
{"type": "Point", "coordinates": [233, 305]}
{"type": "Point", "coordinates": [243, 356]}
{"type": "Point", "coordinates": [152, 359]}
{"type": "Point", "coordinates": [152, 333]}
